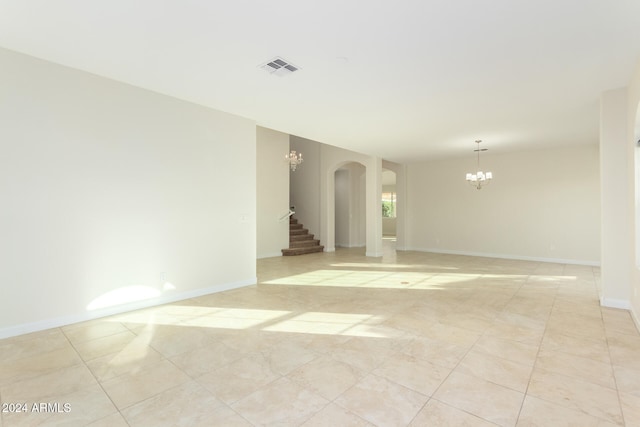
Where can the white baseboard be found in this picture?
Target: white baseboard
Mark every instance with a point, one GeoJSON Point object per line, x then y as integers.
{"type": "Point", "coordinates": [507, 256]}
{"type": "Point", "coordinates": [635, 317]}
{"type": "Point", "coordinates": [42, 325]}
{"type": "Point", "coordinates": [616, 303]}
{"type": "Point", "coordinates": [270, 255]}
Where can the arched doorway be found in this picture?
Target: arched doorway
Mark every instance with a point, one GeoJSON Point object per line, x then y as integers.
{"type": "Point", "coordinates": [389, 205]}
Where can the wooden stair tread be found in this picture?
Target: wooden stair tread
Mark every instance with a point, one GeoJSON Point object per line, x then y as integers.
{"type": "Point", "coordinates": [302, 251]}
{"type": "Point", "coordinates": [303, 243]}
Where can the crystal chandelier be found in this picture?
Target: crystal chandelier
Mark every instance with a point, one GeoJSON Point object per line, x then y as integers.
{"type": "Point", "coordinates": [294, 159]}
{"type": "Point", "coordinates": [479, 179]}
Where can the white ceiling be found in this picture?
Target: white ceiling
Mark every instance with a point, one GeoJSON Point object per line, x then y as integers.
{"type": "Point", "coordinates": [404, 80]}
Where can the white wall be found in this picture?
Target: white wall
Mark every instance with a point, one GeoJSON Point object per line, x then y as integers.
{"type": "Point", "coordinates": [272, 192]}
{"type": "Point", "coordinates": [541, 205]}
{"type": "Point", "coordinates": [350, 197]}
{"type": "Point", "coordinates": [112, 191]}
{"type": "Point", "coordinates": [305, 185]}
{"type": "Point", "coordinates": [633, 194]}
{"type": "Point", "coordinates": [343, 211]}
{"type": "Point", "coordinates": [616, 254]}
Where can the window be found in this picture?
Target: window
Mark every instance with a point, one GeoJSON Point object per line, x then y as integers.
{"type": "Point", "coordinates": [389, 205]}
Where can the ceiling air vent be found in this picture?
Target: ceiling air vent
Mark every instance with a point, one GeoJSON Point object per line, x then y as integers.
{"type": "Point", "coordinates": [278, 66]}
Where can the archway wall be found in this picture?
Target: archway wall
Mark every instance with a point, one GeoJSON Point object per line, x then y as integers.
{"type": "Point", "coordinates": [615, 224]}
{"type": "Point", "coordinates": [350, 206]}
{"type": "Point", "coordinates": [312, 191]}
{"type": "Point", "coordinates": [633, 191]}
{"type": "Point", "coordinates": [304, 184]}
{"type": "Point", "coordinates": [401, 202]}
{"type": "Point", "coordinates": [331, 159]}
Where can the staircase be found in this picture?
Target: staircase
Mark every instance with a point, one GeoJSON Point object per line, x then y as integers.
{"type": "Point", "coordinates": [300, 241]}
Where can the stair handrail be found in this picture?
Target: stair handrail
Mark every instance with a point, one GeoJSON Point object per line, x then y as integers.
{"type": "Point", "coordinates": [287, 215]}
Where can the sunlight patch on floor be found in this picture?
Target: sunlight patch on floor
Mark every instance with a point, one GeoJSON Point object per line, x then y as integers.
{"type": "Point", "coordinates": [326, 323]}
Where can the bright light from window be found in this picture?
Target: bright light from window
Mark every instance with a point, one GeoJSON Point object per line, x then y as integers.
{"type": "Point", "coordinates": [124, 295]}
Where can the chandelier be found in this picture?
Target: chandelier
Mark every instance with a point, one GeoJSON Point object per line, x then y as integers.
{"type": "Point", "coordinates": [294, 159]}
{"type": "Point", "coordinates": [479, 179]}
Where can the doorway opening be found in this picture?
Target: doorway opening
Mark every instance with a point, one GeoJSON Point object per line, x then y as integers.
{"type": "Point", "coordinates": [389, 205]}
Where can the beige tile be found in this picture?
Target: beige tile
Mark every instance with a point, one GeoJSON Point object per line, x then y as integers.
{"type": "Point", "coordinates": [522, 320]}
{"type": "Point", "coordinates": [619, 321]}
{"type": "Point", "coordinates": [326, 376]}
{"type": "Point", "coordinates": [507, 349]}
{"type": "Point", "coordinates": [416, 324]}
{"type": "Point", "coordinates": [452, 334]}
{"type": "Point", "coordinates": [287, 356]}
{"type": "Point", "coordinates": [497, 370]}
{"type": "Point", "coordinates": [206, 359]}
{"type": "Point", "coordinates": [334, 415]}
{"type": "Point", "coordinates": [281, 402]}
{"type": "Point", "coordinates": [439, 352]}
{"type": "Point", "coordinates": [573, 393]}
{"type": "Point", "coordinates": [250, 341]}
{"type": "Point", "coordinates": [576, 325]}
{"type": "Point", "coordinates": [540, 413]}
{"type": "Point", "coordinates": [400, 324]}
{"type": "Point", "coordinates": [416, 374]}
{"type": "Point", "coordinates": [37, 364]}
{"type": "Point", "coordinates": [630, 408]}
{"type": "Point", "coordinates": [589, 308]}
{"type": "Point", "coordinates": [173, 340]}
{"type": "Point", "coordinates": [578, 367]}
{"type": "Point", "coordinates": [508, 330]}
{"type": "Point", "coordinates": [595, 349]}
{"type": "Point", "coordinates": [87, 331]}
{"type": "Point", "coordinates": [133, 358]}
{"type": "Point", "coordinates": [155, 378]}
{"type": "Point", "coordinates": [627, 380]}
{"type": "Point", "coordinates": [468, 321]}
{"type": "Point", "coordinates": [79, 407]}
{"type": "Point", "coordinates": [365, 354]}
{"type": "Point", "coordinates": [625, 350]}
{"type": "Point", "coordinates": [113, 420]}
{"type": "Point", "coordinates": [239, 379]}
{"type": "Point", "coordinates": [110, 344]}
{"type": "Point", "coordinates": [189, 402]}
{"type": "Point", "coordinates": [482, 398]}
{"type": "Point", "coordinates": [32, 344]}
{"type": "Point", "coordinates": [382, 402]}
{"type": "Point", "coordinates": [436, 413]}
{"type": "Point", "coordinates": [49, 386]}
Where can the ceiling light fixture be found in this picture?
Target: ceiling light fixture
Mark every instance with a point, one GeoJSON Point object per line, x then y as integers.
{"type": "Point", "coordinates": [294, 159]}
{"type": "Point", "coordinates": [479, 179]}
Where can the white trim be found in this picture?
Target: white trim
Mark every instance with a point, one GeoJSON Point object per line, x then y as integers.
{"type": "Point", "coordinates": [373, 254]}
{"type": "Point", "coordinates": [42, 325]}
{"type": "Point", "coordinates": [635, 318]}
{"type": "Point", "coordinates": [270, 255]}
{"type": "Point", "coordinates": [507, 256]}
{"type": "Point", "coordinates": [616, 303]}
{"type": "Point", "coordinates": [339, 245]}
{"type": "Point", "coordinates": [326, 249]}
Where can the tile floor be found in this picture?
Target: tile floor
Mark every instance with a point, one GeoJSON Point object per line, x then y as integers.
{"type": "Point", "coordinates": [339, 339]}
